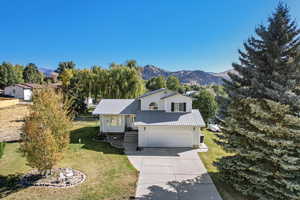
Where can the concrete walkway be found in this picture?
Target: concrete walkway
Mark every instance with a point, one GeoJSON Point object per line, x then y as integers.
{"type": "Point", "coordinates": [170, 174]}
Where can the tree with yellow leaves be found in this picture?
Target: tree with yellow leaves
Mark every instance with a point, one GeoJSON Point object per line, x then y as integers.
{"type": "Point", "coordinates": [46, 130]}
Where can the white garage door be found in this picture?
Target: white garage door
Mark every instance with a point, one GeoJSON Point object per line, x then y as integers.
{"type": "Point", "coordinates": [169, 137]}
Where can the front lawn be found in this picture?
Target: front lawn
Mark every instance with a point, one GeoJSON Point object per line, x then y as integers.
{"type": "Point", "coordinates": [214, 153]}
{"type": "Point", "coordinates": [110, 176]}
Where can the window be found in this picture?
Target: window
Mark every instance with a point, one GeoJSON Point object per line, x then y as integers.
{"type": "Point", "coordinates": [114, 121]}
{"type": "Point", "coordinates": [153, 106]}
{"type": "Point", "coordinates": [178, 107]}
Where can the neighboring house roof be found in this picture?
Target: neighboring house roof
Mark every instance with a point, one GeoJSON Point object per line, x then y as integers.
{"type": "Point", "coordinates": [116, 107]}
{"type": "Point", "coordinates": [29, 85]}
{"type": "Point", "coordinates": [35, 86]}
{"type": "Point", "coordinates": [153, 92]}
{"type": "Point", "coordinates": [162, 118]}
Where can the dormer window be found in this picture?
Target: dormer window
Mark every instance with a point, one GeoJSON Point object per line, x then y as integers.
{"type": "Point", "coordinates": [178, 107]}
{"type": "Point", "coordinates": [153, 106]}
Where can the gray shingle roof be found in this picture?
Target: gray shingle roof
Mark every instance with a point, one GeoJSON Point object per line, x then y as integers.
{"type": "Point", "coordinates": [161, 118]}
{"type": "Point", "coordinates": [170, 95]}
{"type": "Point", "coordinates": [152, 92]}
{"type": "Point", "coordinates": [173, 94]}
{"type": "Point", "coordinates": [116, 106]}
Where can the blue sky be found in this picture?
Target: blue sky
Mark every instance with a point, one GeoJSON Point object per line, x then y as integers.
{"type": "Point", "coordinates": [172, 34]}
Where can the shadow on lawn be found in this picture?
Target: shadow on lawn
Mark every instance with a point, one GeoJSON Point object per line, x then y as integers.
{"type": "Point", "coordinates": [87, 136]}
{"type": "Point", "coordinates": [10, 184]}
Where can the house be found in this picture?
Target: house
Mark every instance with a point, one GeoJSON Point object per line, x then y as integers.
{"type": "Point", "coordinates": [162, 118]}
{"type": "Point", "coordinates": [21, 91]}
{"type": "Point", "coordinates": [24, 90]}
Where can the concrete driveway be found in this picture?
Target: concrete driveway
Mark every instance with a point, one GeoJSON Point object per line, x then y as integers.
{"type": "Point", "coordinates": [172, 174]}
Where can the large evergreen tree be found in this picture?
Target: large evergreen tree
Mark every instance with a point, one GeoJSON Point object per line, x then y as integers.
{"type": "Point", "coordinates": [262, 128]}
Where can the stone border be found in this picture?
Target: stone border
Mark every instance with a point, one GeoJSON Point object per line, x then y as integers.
{"type": "Point", "coordinates": [53, 185]}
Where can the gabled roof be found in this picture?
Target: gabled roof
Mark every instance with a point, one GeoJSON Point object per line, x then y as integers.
{"type": "Point", "coordinates": [153, 92]}
{"type": "Point", "coordinates": [173, 94]}
{"type": "Point", "coordinates": [162, 118]}
{"type": "Point", "coordinates": [169, 95]}
{"type": "Point", "coordinates": [117, 107]}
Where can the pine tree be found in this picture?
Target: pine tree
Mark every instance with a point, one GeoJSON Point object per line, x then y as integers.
{"type": "Point", "coordinates": [262, 127]}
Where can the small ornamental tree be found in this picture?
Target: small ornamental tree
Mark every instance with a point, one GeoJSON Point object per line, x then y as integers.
{"type": "Point", "coordinates": [46, 130]}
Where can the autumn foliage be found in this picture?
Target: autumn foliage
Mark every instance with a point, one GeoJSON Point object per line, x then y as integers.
{"type": "Point", "coordinates": [46, 129]}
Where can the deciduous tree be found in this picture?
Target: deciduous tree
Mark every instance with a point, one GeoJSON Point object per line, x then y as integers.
{"type": "Point", "coordinates": [10, 75]}
{"type": "Point", "coordinates": [156, 83]}
{"type": "Point", "coordinates": [62, 66]}
{"type": "Point", "coordinates": [206, 103]}
{"type": "Point", "coordinates": [31, 74]}
{"type": "Point", "coordinates": [173, 83]}
{"type": "Point", "coordinates": [46, 130]}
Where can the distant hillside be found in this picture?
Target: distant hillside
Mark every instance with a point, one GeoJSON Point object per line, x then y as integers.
{"type": "Point", "coordinates": [47, 72]}
{"type": "Point", "coordinates": [186, 76]}
{"type": "Point", "coordinates": [225, 74]}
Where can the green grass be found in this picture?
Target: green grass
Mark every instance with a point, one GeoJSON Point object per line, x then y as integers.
{"type": "Point", "coordinates": [110, 176]}
{"type": "Point", "coordinates": [214, 153]}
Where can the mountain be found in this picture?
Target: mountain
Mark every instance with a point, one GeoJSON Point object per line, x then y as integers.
{"type": "Point", "coordinates": [186, 76]}
{"type": "Point", "coordinates": [225, 74]}
{"type": "Point", "coordinates": [47, 72]}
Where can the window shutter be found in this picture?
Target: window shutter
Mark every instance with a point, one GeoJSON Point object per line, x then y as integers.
{"type": "Point", "coordinates": [172, 107]}
{"type": "Point", "coordinates": [184, 107]}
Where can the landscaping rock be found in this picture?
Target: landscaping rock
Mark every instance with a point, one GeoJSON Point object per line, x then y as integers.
{"type": "Point", "coordinates": [60, 178]}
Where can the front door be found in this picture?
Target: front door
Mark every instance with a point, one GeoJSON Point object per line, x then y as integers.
{"type": "Point", "coordinates": [130, 122]}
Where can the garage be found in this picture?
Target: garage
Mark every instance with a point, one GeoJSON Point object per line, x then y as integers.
{"type": "Point", "coordinates": [161, 136]}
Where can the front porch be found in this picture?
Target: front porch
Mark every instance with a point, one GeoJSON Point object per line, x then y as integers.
{"type": "Point", "coordinates": [116, 123]}
{"type": "Point", "coordinates": [127, 140]}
